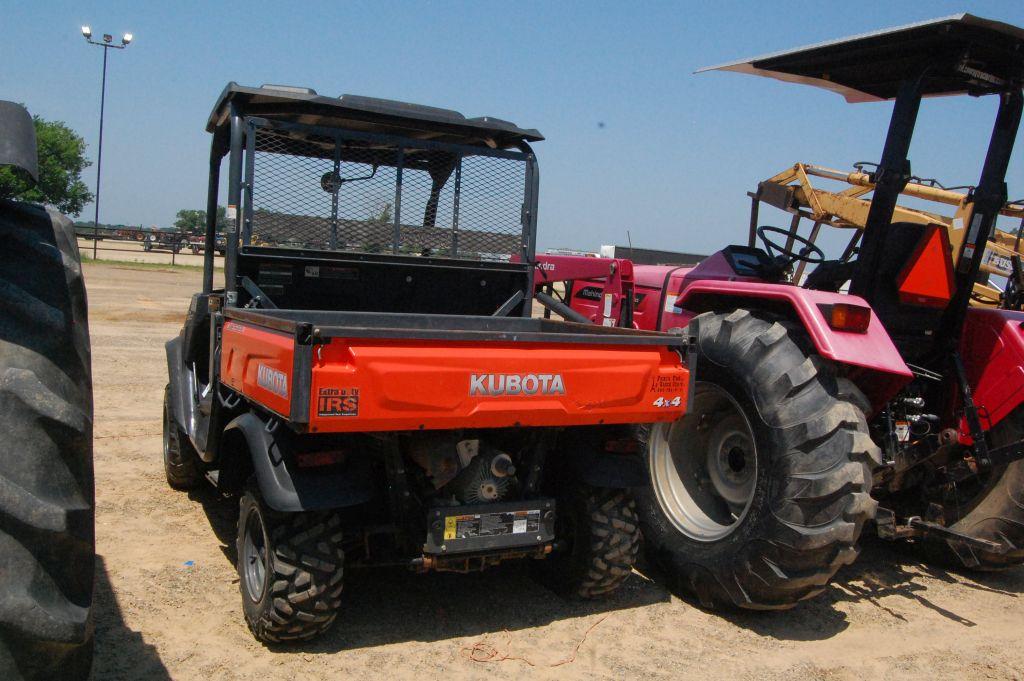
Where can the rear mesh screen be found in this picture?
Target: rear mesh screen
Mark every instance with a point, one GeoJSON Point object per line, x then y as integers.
{"type": "Point", "coordinates": [317, 189]}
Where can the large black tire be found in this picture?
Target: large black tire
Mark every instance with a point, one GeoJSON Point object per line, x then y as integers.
{"type": "Point", "coordinates": [993, 509]}
{"type": "Point", "coordinates": [296, 589]}
{"type": "Point", "coordinates": [182, 465]}
{"type": "Point", "coordinates": [47, 547]}
{"type": "Point", "coordinates": [602, 540]}
{"type": "Point", "coordinates": [805, 486]}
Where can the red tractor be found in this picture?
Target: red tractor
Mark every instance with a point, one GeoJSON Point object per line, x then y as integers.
{"type": "Point", "coordinates": [870, 391]}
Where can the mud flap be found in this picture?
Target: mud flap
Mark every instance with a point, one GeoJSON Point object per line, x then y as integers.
{"type": "Point", "coordinates": [180, 380]}
{"type": "Point", "coordinates": [287, 488]}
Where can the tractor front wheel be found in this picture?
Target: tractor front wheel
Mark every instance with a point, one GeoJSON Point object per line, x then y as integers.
{"type": "Point", "coordinates": [758, 495]}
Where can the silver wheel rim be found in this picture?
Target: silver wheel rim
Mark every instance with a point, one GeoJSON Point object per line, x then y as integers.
{"type": "Point", "coordinates": [704, 466]}
{"type": "Point", "coordinates": [254, 556]}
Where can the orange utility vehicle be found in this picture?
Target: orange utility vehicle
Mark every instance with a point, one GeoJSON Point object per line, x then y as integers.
{"type": "Point", "coordinates": [369, 380]}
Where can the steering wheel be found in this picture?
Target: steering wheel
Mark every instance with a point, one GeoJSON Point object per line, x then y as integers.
{"type": "Point", "coordinates": [809, 253]}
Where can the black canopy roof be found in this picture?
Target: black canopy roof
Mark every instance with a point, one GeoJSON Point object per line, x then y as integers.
{"type": "Point", "coordinates": [355, 112]}
{"type": "Point", "coordinates": [967, 54]}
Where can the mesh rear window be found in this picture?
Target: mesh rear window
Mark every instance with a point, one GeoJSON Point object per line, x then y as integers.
{"type": "Point", "coordinates": [384, 195]}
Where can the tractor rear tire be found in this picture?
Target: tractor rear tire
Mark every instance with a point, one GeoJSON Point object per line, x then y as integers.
{"type": "Point", "coordinates": [602, 534]}
{"type": "Point", "coordinates": [291, 568]}
{"type": "Point", "coordinates": [759, 494]}
{"type": "Point", "coordinates": [994, 512]}
{"type": "Point", "coordinates": [47, 547]}
{"type": "Point", "coordinates": [182, 465]}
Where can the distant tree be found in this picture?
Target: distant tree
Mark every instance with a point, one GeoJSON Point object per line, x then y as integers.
{"type": "Point", "coordinates": [190, 221]}
{"type": "Point", "coordinates": [194, 221]}
{"type": "Point", "coordinates": [61, 162]}
{"type": "Point", "coordinates": [382, 213]}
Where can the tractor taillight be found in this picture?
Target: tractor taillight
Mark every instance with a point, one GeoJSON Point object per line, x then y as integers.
{"type": "Point", "coordinates": [847, 317]}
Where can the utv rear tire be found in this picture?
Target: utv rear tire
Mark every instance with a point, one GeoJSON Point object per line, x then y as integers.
{"type": "Point", "coordinates": [47, 548]}
{"type": "Point", "coordinates": [290, 569]}
{"type": "Point", "coordinates": [182, 465]}
{"type": "Point", "coordinates": [995, 512]}
{"type": "Point", "coordinates": [759, 494]}
{"type": "Point", "coordinates": [602, 535]}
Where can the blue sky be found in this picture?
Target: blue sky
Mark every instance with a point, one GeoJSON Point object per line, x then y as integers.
{"type": "Point", "coordinates": [672, 163]}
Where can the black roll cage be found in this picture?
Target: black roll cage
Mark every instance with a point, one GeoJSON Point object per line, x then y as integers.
{"type": "Point", "coordinates": [233, 129]}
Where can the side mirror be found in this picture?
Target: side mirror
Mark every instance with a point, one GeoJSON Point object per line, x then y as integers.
{"type": "Point", "coordinates": [331, 181]}
{"type": "Point", "coordinates": [18, 140]}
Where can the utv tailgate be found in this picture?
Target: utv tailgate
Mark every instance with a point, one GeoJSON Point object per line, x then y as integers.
{"type": "Point", "coordinates": [353, 371]}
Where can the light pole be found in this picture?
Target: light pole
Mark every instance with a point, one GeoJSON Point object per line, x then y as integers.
{"type": "Point", "coordinates": [106, 44]}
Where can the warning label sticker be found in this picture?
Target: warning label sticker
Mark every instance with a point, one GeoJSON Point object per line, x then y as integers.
{"type": "Point", "coordinates": [491, 524]}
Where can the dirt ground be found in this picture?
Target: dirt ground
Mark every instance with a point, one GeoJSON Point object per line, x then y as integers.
{"type": "Point", "coordinates": [169, 606]}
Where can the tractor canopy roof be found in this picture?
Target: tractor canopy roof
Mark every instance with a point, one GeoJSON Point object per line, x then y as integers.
{"type": "Point", "coordinates": [366, 114]}
{"type": "Point", "coordinates": [966, 55]}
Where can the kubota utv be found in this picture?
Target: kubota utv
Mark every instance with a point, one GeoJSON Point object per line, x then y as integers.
{"type": "Point", "coordinates": [369, 382]}
{"type": "Point", "coordinates": [871, 392]}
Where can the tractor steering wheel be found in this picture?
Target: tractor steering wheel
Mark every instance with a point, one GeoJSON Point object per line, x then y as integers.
{"type": "Point", "coordinates": [809, 253]}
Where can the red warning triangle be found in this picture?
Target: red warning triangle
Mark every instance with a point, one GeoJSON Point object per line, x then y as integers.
{"type": "Point", "coordinates": [927, 278]}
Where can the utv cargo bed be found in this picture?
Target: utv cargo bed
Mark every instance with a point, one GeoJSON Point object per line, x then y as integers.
{"type": "Point", "coordinates": [326, 371]}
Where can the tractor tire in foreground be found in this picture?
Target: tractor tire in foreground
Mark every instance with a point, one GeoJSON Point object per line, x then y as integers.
{"type": "Point", "coordinates": [290, 567]}
{"type": "Point", "coordinates": [758, 495]}
{"type": "Point", "coordinates": [47, 548]}
{"type": "Point", "coordinates": [602, 534]}
{"type": "Point", "coordinates": [993, 509]}
{"type": "Point", "coordinates": [182, 465]}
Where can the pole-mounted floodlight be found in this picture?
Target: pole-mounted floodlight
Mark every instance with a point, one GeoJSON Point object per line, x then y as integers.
{"type": "Point", "coordinates": [106, 44]}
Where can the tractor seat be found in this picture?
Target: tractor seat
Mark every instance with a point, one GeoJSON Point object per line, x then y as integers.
{"type": "Point", "coordinates": [830, 275]}
{"type": "Point", "coordinates": [907, 323]}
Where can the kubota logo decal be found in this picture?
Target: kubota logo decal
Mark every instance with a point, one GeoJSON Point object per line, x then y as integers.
{"type": "Point", "coordinates": [493, 385]}
{"type": "Point", "coordinates": [271, 379]}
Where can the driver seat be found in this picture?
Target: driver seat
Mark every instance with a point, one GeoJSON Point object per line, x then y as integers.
{"type": "Point", "coordinates": [830, 275]}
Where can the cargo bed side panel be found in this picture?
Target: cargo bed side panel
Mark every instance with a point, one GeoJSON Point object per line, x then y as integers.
{"type": "Point", "coordinates": [257, 362]}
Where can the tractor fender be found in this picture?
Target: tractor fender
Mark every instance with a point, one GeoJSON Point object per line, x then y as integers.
{"type": "Point", "coordinates": [287, 488]}
{"type": "Point", "coordinates": [992, 348]}
{"type": "Point", "coordinates": [873, 352]}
